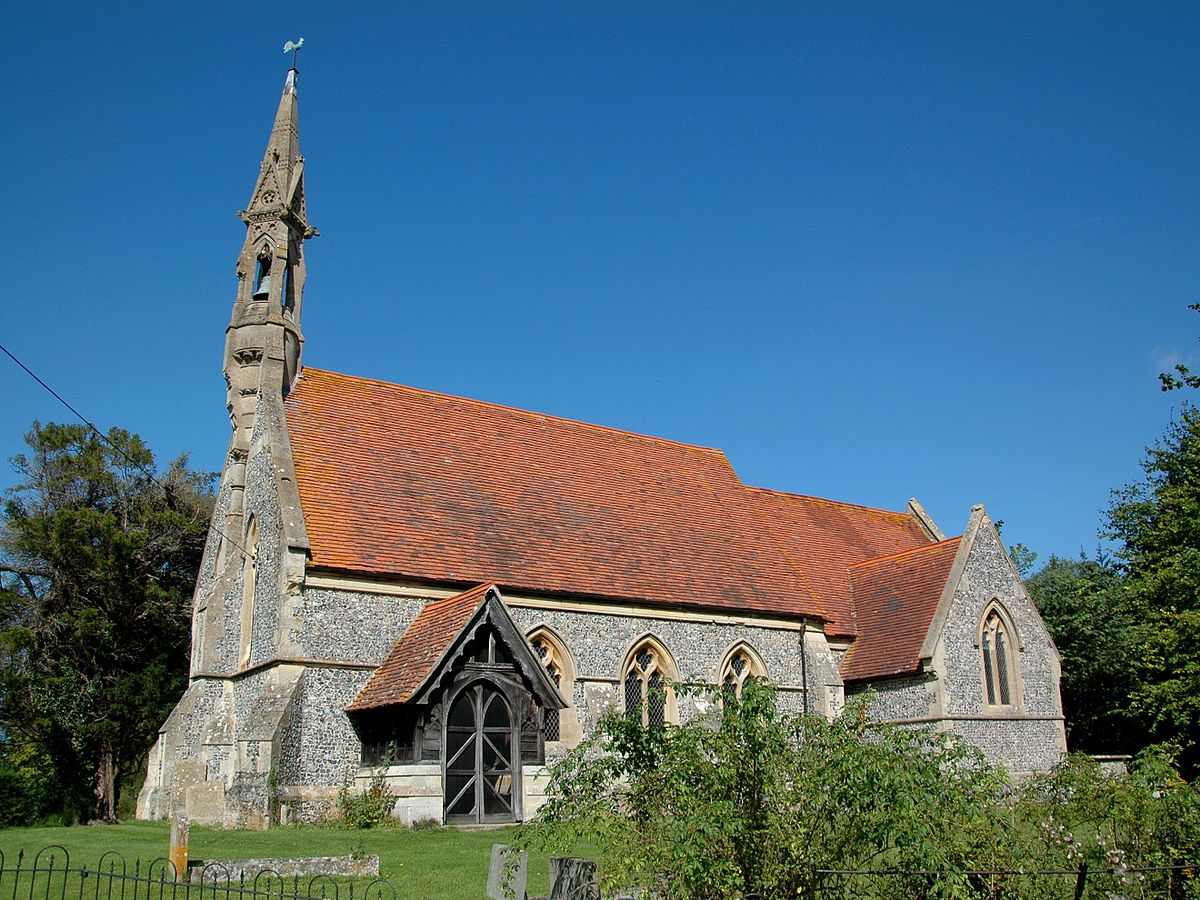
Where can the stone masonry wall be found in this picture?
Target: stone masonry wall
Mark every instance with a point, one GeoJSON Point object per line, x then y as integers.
{"type": "Point", "coordinates": [1026, 736]}
{"type": "Point", "coordinates": [1029, 736]}
{"type": "Point", "coordinates": [319, 746]}
{"type": "Point", "coordinates": [318, 749]}
{"type": "Point", "coordinates": [599, 643]}
{"type": "Point", "coordinates": [989, 575]}
{"type": "Point", "coordinates": [262, 500]}
{"type": "Point", "coordinates": [900, 699]}
{"type": "Point", "coordinates": [1020, 745]}
{"type": "Point", "coordinates": [206, 579]}
{"type": "Point", "coordinates": [353, 627]}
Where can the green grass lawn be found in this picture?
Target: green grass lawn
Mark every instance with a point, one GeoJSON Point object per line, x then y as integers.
{"type": "Point", "coordinates": [431, 864]}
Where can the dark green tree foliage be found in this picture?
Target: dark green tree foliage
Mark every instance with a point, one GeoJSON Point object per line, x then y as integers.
{"type": "Point", "coordinates": [1095, 626]}
{"type": "Point", "coordinates": [97, 570]}
{"type": "Point", "coordinates": [1156, 523]}
{"type": "Point", "coordinates": [1182, 377]}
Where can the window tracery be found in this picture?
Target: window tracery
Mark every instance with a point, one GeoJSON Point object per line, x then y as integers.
{"type": "Point", "coordinates": [647, 685]}
{"type": "Point", "coordinates": [740, 665]}
{"type": "Point", "coordinates": [558, 725]}
{"type": "Point", "coordinates": [551, 658]}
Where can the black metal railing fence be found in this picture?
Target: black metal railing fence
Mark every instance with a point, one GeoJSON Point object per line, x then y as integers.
{"type": "Point", "coordinates": [1177, 882]}
{"type": "Point", "coordinates": [50, 876]}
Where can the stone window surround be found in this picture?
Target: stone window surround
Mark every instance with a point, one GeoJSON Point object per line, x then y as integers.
{"type": "Point", "coordinates": [569, 732]}
{"type": "Point", "coordinates": [1016, 686]}
{"type": "Point", "coordinates": [666, 667]}
{"type": "Point", "coordinates": [756, 668]}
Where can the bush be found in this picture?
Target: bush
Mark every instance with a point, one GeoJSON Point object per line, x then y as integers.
{"type": "Point", "coordinates": [30, 791]}
{"type": "Point", "coordinates": [369, 808]}
{"type": "Point", "coordinates": [1151, 817]}
{"type": "Point", "coordinates": [750, 801]}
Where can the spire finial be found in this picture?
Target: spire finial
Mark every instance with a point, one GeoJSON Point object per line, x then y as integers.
{"type": "Point", "coordinates": [293, 47]}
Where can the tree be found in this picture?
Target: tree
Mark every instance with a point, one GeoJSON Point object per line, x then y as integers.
{"type": "Point", "coordinates": [98, 560]}
{"type": "Point", "coordinates": [1088, 612]}
{"type": "Point", "coordinates": [1182, 377]}
{"type": "Point", "coordinates": [1156, 523]}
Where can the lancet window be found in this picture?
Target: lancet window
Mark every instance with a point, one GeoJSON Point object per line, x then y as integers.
{"type": "Point", "coordinates": [552, 658]}
{"type": "Point", "coordinates": [249, 583]}
{"type": "Point", "coordinates": [998, 649]}
{"type": "Point", "coordinates": [262, 278]}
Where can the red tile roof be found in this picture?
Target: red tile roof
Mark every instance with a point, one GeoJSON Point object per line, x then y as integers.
{"type": "Point", "coordinates": [419, 650]}
{"type": "Point", "coordinates": [407, 483]}
{"type": "Point", "coordinates": [823, 538]}
{"type": "Point", "coordinates": [895, 599]}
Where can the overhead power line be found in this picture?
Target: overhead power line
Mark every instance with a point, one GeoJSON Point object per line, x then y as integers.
{"type": "Point", "coordinates": [149, 473]}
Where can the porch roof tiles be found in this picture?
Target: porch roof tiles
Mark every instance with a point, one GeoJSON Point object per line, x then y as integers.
{"type": "Point", "coordinates": [419, 649]}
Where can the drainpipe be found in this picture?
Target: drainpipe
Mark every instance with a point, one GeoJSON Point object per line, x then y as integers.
{"type": "Point", "coordinates": [804, 664]}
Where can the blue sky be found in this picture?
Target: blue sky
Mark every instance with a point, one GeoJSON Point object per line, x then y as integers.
{"type": "Point", "coordinates": [870, 250]}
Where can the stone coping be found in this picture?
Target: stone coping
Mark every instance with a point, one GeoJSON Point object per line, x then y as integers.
{"type": "Point", "coordinates": [284, 867]}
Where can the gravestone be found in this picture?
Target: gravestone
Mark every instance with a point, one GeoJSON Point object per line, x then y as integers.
{"type": "Point", "coordinates": [177, 850]}
{"type": "Point", "coordinates": [573, 879]}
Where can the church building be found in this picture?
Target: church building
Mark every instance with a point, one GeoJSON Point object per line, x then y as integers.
{"type": "Point", "coordinates": [451, 592]}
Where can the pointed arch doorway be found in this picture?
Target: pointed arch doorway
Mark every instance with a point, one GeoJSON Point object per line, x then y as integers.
{"type": "Point", "coordinates": [480, 772]}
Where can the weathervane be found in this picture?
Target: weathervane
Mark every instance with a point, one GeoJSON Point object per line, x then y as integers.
{"type": "Point", "coordinates": [293, 47]}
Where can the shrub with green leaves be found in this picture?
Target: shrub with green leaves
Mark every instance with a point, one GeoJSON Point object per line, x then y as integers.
{"type": "Point", "coordinates": [368, 808]}
{"type": "Point", "coordinates": [749, 801]}
{"type": "Point", "coordinates": [1148, 818]}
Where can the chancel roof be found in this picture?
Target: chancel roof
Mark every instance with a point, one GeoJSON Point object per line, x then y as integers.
{"type": "Point", "coordinates": [895, 600]}
{"type": "Point", "coordinates": [405, 483]}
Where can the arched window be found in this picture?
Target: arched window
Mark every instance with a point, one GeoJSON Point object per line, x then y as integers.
{"type": "Point", "coordinates": [647, 679]}
{"type": "Point", "coordinates": [558, 725]}
{"type": "Point", "coordinates": [741, 664]}
{"type": "Point", "coordinates": [998, 648]}
{"type": "Point", "coordinates": [249, 582]}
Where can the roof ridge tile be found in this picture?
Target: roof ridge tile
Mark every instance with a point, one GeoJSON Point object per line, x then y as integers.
{"type": "Point", "coordinates": [888, 557]}
{"type": "Point", "coordinates": [516, 409]}
{"type": "Point", "coordinates": [900, 514]}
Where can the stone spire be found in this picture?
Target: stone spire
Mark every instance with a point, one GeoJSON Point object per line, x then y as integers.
{"type": "Point", "coordinates": [263, 340]}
